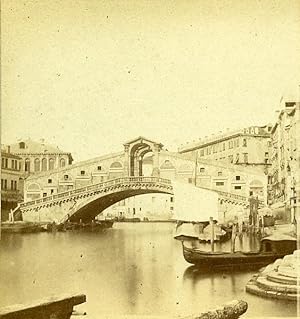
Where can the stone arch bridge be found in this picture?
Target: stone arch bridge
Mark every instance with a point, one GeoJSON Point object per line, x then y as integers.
{"type": "Point", "coordinates": [87, 202]}
{"type": "Point", "coordinates": [84, 189]}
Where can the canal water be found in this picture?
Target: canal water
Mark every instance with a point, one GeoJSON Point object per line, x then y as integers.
{"type": "Point", "coordinates": [133, 268]}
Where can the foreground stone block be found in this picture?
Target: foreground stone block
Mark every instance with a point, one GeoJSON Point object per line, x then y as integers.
{"type": "Point", "coordinates": [52, 308]}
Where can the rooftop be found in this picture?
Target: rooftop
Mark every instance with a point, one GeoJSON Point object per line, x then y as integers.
{"type": "Point", "coordinates": [253, 130]}
{"type": "Point", "coordinates": [29, 146]}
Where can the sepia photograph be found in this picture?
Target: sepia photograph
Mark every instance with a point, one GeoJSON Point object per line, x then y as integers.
{"type": "Point", "coordinates": [150, 159]}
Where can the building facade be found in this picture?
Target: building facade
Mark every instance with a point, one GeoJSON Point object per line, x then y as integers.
{"type": "Point", "coordinates": [39, 156]}
{"type": "Point", "coordinates": [245, 147]}
{"type": "Point", "coordinates": [11, 183]}
{"type": "Point", "coordinates": [283, 181]}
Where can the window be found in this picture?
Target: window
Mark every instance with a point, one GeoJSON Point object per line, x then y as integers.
{"type": "Point", "coordinates": [224, 146]}
{"type": "Point", "coordinates": [11, 185]}
{"type": "Point", "coordinates": [66, 177]}
{"type": "Point", "coordinates": [237, 187]}
{"type": "Point", "coordinates": [266, 154]}
{"type": "Point", "coordinates": [190, 180]}
{"type": "Point", "coordinates": [2, 183]}
{"type": "Point", "coordinates": [237, 158]}
{"type": "Point", "coordinates": [269, 143]}
{"type": "Point", "coordinates": [202, 169]}
{"type": "Point", "coordinates": [171, 199]}
{"type": "Point", "coordinates": [238, 178]}
{"type": "Point", "coordinates": [52, 191]}
{"type": "Point", "coordinates": [15, 185]}
{"type": "Point", "coordinates": [27, 165]}
{"type": "Point", "coordinates": [36, 165]}
{"type": "Point", "coordinates": [230, 158]}
{"type": "Point", "coordinates": [44, 164]}
{"type": "Point", "coordinates": [49, 181]}
{"type": "Point", "coordinates": [219, 173]}
{"type": "Point", "coordinates": [2, 162]}
{"type": "Point", "coordinates": [244, 142]}
{"type": "Point", "coordinates": [245, 157]}
{"type": "Point", "coordinates": [6, 163]}
{"type": "Point", "coordinates": [219, 183]}
{"type": "Point", "coordinates": [99, 168]}
{"type": "Point", "coordinates": [44, 194]}
{"type": "Point", "coordinates": [201, 152]}
{"type": "Point", "coordinates": [22, 145]}
{"type": "Point", "coordinates": [82, 172]}
{"type": "Point", "coordinates": [5, 184]}
{"type": "Point", "coordinates": [51, 163]}
{"type": "Point", "coordinates": [62, 162]}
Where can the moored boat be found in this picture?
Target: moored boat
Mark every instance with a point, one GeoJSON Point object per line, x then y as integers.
{"type": "Point", "coordinates": [95, 225]}
{"type": "Point", "coordinates": [271, 248]}
{"type": "Point", "coordinates": [20, 227]}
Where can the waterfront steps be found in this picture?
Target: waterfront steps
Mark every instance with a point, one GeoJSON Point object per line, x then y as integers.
{"type": "Point", "coordinates": [278, 280]}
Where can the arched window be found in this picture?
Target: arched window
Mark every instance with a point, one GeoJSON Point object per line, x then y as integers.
{"type": "Point", "coordinates": [51, 163]}
{"type": "Point", "coordinates": [44, 164]}
{"type": "Point", "coordinates": [27, 165]}
{"type": "Point", "coordinates": [116, 165]}
{"type": "Point", "coordinates": [62, 162]}
{"type": "Point", "coordinates": [22, 145]}
{"type": "Point", "coordinates": [37, 166]}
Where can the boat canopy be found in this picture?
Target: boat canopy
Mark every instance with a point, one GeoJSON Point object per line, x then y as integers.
{"type": "Point", "coordinates": [279, 237]}
{"type": "Point", "coordinates": [194, 204]}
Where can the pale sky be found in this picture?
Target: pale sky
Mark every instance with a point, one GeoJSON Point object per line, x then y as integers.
{"type": "Point", "coordinates": [90, 75]}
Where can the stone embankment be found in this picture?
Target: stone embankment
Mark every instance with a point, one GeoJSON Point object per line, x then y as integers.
{"type": "Point", "coordinates": [278, 280]}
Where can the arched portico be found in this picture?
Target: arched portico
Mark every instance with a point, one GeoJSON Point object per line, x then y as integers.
{"type": "Point", "coordinates": [135, 151]}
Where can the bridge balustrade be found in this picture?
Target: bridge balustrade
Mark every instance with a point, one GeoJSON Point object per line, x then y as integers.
{"type": "Point", "coordinates": [97, 186]}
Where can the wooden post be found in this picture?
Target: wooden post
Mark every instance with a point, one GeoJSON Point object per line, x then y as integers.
{"type": "Point", "coordinates": [212, 238]}
{"type": "Point", "coordinates": [233, 236]}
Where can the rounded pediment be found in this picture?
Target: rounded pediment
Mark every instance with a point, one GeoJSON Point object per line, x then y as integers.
{"type": "Point", "coordinates": [33, 187]}
{"type": "Point", "coordinates": [167, 165]}
{"type": "Point", "coordinates": [116, 165]}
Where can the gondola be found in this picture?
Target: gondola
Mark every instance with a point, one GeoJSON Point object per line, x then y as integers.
{"type": "Point", "coordinates": [271, 248]}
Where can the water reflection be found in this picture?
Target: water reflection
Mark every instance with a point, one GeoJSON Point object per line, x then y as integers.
{"type": "Point", "coordinates": [130, 269]}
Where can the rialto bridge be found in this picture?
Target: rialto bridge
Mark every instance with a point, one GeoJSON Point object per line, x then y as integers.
{"type": "Point", "coordinates": [84, 189]}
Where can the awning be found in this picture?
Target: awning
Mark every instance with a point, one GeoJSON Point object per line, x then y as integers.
{"type": "Point", "coordinates": [277, 205]}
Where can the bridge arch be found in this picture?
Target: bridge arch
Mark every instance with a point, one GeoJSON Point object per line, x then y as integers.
{"type": "Point", "coordinates": [95, 205]}
{"type": "Point", "coordinates": [87, 202]}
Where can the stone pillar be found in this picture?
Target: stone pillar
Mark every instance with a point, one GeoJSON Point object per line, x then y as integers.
{"type": "Point", "coordinates": [140, 166]}
{"type": "Point", "coordinates": [156, 150]}
{"type": "Point", "coordinates": [126, 161]}
{"type": "Point", "coordinates": [136, 164]}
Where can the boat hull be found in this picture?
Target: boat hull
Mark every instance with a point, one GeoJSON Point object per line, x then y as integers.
{"type": "Point", "coordinates": [13, 228]}
{"type": "Point", "coordinates": [207, 259]}
{"type": "Point", "coordinates": [96, 226]}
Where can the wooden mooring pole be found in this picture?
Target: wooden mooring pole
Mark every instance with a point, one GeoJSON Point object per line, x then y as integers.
{"type": "Point", "coordinates": [212, 238]}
